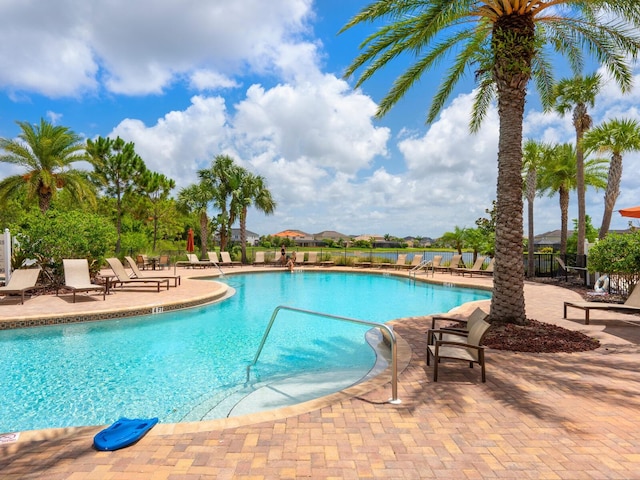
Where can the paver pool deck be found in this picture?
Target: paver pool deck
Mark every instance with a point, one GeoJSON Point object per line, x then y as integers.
{"type": "Point", "coordinates": [544, 416]}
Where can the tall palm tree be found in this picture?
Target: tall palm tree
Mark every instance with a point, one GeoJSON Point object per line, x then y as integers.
{"type": "Point", "coordinates": [557, 174]}
{"type": "Point", "coordinates": [47, 152]}
{"type": "Point", "coordinates": [117, 169]}
{"type": "Point", "coordinates": [506, 41]}
{"type": "Point", "coordinates": [249, 190]}
{"type": "Point", "coordinates": [617, 136]}
{"type": "Point", "coordinates": [578, 93]}
{"type": "Point", "coordinates": [218, 179]}
{"type": "Point", "coordinates": [533, 155]}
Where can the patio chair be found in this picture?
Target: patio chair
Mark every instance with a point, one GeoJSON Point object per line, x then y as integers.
{"type": "Point", "coordinates": [164, 261]}
{"type": "Point", "coordinates": [225, 260]}
{"type": "Point", "coordinates": [122, 278]}
{"type": "Point", "coordinates": [22, 281]}
{"type": "Point", "coordinates": [631, 305]}
{"type": "Point", "coordinates": [477, 315]}
{"type": "Point", "coordinates": [259, 259]}
{"type": "Point", "coordinates": [477, 266]}
{"type": "Point", "coordinates": [138, 274]}
{"type": "Point", "coordinates": [459, 346]}
{"type": "Point", "coordinates": [77, 279]}
{"type": "Point", "coordinates": [143, 262]}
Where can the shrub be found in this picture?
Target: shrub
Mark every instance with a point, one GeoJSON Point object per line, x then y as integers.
{"type": "Point", "coordinates": [50, 237]}
{"type": "Point", "coordinates": [616, 253]}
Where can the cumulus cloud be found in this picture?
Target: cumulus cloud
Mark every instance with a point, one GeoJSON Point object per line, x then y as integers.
{"type": "Point", "coordinates": [68, 46]}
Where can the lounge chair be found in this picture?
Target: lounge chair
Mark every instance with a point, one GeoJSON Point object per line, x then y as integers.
{"type": "Point", "coordinates": [138, 274]}
{"type": "Point", "coordinates": [312, 258]}
{"type": "Point", "coordinates": [259, 259]}
{"type": "Point", "coordinates": [22, 281]}
{"type": "Point", "coordinates": [76, 278]}
{"type": "Point", "coordinates": [278, 259]}
{"type": "Point", "coordinates": [327, 263]}
{"type": "Point", "coordinates": [477, 266]}
{"type": "Point", "coordinates": [400, 262]}
{"type": "Point", "coordinates": [363, 264]}
{"type": "Point", "coordinates": [631, 305]}
{"type": "Point", "coordinates": [455, 262]}
{"type": "Point", "coordinates": [415, 261]}
{"type": "Point", "coordinates": [459, 346]}
{"type": "Point", "coordinates": [213, 257]}
{"type": "Point", "coordinates": [122, 278]}
{"type": "Point", "coordinates": [488, 270]}
{"type": "Point", "coordinates": [194, 261]}
{"type": "Point", "coordinates": [225, 260]}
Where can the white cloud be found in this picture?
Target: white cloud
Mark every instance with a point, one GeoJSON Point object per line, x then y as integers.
{"type": "Point", "coordinates": [69, 46]}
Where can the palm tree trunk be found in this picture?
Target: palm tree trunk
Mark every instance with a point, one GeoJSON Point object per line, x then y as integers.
{"type": "Point", "coordinates": [564, 220]}
{"type": "Point", "coordinates": [582, 123]}
{"type": "Point", "coordinates": [531, 195]}
{"type": "Point", "coordinates": [204, 232]}
{"type": "Point", "coordinates": [611, 194]}
{"type": "Point", "coordinates": [507, 303]}
{"type": "Point", "coordinates": [243, 233]}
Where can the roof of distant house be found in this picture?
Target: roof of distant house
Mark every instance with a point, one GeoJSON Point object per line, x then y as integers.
{"type": "Point", "coordinates": [291, 234]}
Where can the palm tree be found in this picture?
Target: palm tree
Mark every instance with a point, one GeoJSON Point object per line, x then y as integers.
{"type": "Point", "coordinates": [533, 155]}
{"type": "Point", "coordinates": [195, 198]}
{"type": "Point", "coordinates": [455, 239]}
{"type": "Point", "coordinates": [579, 93]}
{"type": "Point", "coordinates": [506, 41]}
{"type": "Point", "coordinates": [117, 169]}
{"type": "Point", "coordinates": [558, 175]}
{"type": "Point", "coordinates": [616, 137]}
{"type": "Point", "coordinates": [249, 190]}
{"type": "Point", "coordinates": [218, 180]}
{"type": "Point", "coordinates": [47, 152]}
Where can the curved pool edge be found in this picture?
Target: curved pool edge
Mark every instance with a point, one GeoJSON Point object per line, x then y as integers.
{"type": "Point", "coordinates": [146, 304]}
{"type": "Point", "coordinates": [383, 378]}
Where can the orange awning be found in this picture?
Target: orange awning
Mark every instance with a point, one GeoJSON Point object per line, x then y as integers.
{"type": "Point", "coordinates": [633, 212]}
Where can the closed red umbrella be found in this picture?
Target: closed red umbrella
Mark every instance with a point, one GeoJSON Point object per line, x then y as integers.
{"type": "Point", "coordinates": [633, 212]}
{"type": "Point", "coordinates": [190, 246]}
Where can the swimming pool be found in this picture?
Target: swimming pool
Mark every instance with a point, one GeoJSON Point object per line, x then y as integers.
{"type": "Point", "coordinates": [180, 365]}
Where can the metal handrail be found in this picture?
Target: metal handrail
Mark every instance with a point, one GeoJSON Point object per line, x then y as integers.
{"type": "Point", "coordinates": [392, 340]}
{"type": "Point", "coordinates": [424, 264]}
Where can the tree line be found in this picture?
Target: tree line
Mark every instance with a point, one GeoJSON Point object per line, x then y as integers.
{"type": "Point", "coordinates": [119, 187]}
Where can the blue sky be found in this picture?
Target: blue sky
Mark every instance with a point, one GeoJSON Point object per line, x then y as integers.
{"type": "Point", "coordinates": [262, 81]}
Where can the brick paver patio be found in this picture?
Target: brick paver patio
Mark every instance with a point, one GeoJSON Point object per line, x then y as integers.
{"type": "Point", "coordinates": [543, 416]}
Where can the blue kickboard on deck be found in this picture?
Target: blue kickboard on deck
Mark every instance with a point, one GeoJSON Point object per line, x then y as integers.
{"type": "Point", "coordinates": [123, 433]}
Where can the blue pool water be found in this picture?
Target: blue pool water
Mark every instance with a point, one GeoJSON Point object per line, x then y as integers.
{"type": "Point", "coordinates": [180, 365]}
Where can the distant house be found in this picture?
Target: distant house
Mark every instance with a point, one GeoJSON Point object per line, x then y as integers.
{"type": "Point", "coordinates": [301, 239]}
{"type": "Point", "coordinates": [552, 238]}
{"type": "Point", "coordinates": [549, 239]}
{"type": "Point", "coordinates": [252, 237]}
{"type": "Point", "coordinates": [330, 235]}
{"type": "Point", "coordinates": [424, 242]}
